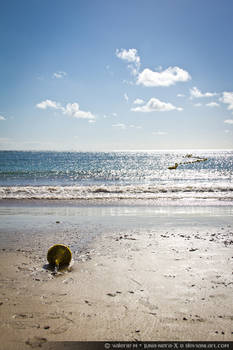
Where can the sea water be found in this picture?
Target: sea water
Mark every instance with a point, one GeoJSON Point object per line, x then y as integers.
{"type": "Point", "coordinates": [119, 176]}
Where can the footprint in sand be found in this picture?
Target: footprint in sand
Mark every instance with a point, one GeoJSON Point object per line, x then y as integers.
{"type": "Point", "coordinates": [147, 304]}
{"type": "Point", "coordinates": [24, 324]}
{"type": "Point", "coordinates": [22, 316]}
{"type": "Point", "coordinates": [64, 326]}
{"type": "Point", "coordinates": [36, 342]}
{"type": "Point", "coordinates": [61, 329]}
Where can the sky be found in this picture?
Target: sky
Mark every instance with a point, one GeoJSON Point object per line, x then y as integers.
{"type": "Point", "coordinates": [102, 75]}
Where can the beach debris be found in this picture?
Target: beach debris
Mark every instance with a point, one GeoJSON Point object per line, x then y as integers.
{"type": "Point", "coordinates": [126, 237]}
{"type": "Point", "coordinates": [193, 249]}
{"type": "Point", "coordinates": [111, 294]}
{"type": "Point", "coordinates": [170, 276]}
{"type": "Point", "coordinates": [58, 256]}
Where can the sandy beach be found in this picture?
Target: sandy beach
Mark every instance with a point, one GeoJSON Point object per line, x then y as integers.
{"type": "Point", "coordinates": [139, 273]}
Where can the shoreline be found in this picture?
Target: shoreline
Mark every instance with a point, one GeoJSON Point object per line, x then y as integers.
{"type": "Point", "coordinates": [139, 273]}
{"type": "Point", "coordinates": [117, 202]}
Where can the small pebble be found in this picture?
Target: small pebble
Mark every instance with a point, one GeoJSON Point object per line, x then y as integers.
{"type": "Point", "coordinates": [46, 327]}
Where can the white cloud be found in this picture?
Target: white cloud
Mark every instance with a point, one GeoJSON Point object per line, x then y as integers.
{"type": "Point", "coordinates": [106, 116]}
{"type": "Point", "coordinates": [127, 82]}
{"type": "Point", "coordinates": [228, 99]}
{"type": "Point", "coordinates": [180, 95]}
{"type": "Point", "coordinates": [227, 131]}
{"type": "Point", "coordinates": [212, 104]}
{"type": "Point", "coordinates": [168, 77]}
{"type": "Point", "coordinates": [135, 126]}
{"type": "Point", "coordinates": [59, 75]}
{"type": "Point", "coordinates": [48, 104]}
{"type": "Point", "coordinates": [2, 118]}
{"type": "Point", "coordinates": [126, 97]}
{"type": "Point", "coordinates": [148, 77]}
{"type": "Point", "coordinates": [155, 105]}
{"type": "Point", "coordinates": [91, 121]}
{"type": "Point", "coordinates": [138, 101]}
{"type": "Point", "coordinates": [131, 56]}
{"type": "Point", "coordinates": [196, 93]}
{"type": "Point", "coordinates": [160, 133]}
{"type": "Point", "coordinates": [159, 68]}
{"type": "Point", "coordinates": [228, 121]}
{"type": "Point", "coordinates": [119, 125]}
{"type": "Point", "coordinates": [71, 109]}
{"type": "Point", "coordinates": [124, 126]}
{"type": "Point", "coordinates": [197, 105]}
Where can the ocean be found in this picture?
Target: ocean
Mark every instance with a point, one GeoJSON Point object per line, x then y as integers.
{"type": "Point", "coordinates": [128, 175]}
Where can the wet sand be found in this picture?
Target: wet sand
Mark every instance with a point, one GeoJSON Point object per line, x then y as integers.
{"type": "Point", "coordinates": [139, 273]}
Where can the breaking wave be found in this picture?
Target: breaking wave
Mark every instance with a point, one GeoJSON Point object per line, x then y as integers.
{"type": "Point", "coordinates": [219, 192]}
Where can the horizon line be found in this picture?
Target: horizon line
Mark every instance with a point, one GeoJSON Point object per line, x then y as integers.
{"type": "Point", "coordinates": [115, 150]}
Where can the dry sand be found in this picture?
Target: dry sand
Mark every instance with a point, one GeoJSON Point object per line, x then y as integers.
{"type": "Point", "coordinates": [152, 284]}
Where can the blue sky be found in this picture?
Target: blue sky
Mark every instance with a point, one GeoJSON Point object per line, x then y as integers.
{"type": "Point", "coordinates": [116, 75]}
